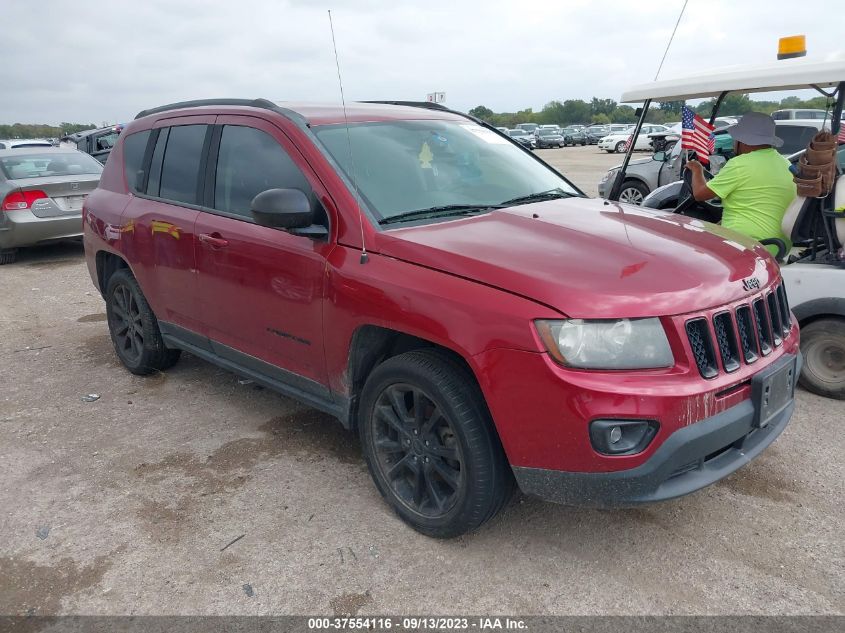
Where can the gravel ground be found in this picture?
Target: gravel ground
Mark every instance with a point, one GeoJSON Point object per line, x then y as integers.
{"type": "Point", "coordinates": [191, 493]}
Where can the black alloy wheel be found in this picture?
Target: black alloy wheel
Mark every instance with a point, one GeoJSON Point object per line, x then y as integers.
{"type": "Point", "coordinates": [134, 328]}
{"type": "Point", "coordinates": [430, 444]}
{"type": "Point", "coordinates": [417, 451]}
{"type": "Point", "coordinates": [126, 324]}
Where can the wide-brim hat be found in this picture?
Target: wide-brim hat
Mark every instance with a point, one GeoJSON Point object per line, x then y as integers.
{"type": "Point", "coordinates": [755, 128]}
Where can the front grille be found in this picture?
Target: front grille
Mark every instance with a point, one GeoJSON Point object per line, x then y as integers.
{"type": "Point", "coordinates": [702, 347]}
{"type": "Point", "coordinates": [747, 339]}
{"type": "Point", "coordinates": [764, 328]}
{"type": "Point", "coordinates": [786, 318]}
{"type": "Point", "coordinates": [753, 330]}
{"type": "Point", "coordinates": [774, 313]}
{"type": "Point", "coordinates": [726, 340]}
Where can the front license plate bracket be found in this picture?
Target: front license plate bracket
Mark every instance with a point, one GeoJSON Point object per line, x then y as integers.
{"type": "Point", "coordinates": [773, 390]}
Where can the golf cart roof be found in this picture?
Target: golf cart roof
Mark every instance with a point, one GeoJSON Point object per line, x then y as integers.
{"type": "Point", "coordinates": [789, 74]}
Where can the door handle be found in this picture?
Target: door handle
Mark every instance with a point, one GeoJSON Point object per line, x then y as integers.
{"type": "Point", "coordinates": [214, 240]}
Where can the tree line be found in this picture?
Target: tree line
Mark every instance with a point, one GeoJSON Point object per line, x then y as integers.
{"type": "Point", "coordinates": [603, 111]}
{"type": "Point", "coordinates": [42, 130]}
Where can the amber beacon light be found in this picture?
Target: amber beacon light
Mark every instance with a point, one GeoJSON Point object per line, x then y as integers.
{"type": "Point", "coordinates": [792, 46]}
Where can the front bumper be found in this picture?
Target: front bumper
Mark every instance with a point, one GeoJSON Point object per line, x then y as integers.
{"type": "Point", "coordinates": [22, 228]}
{"type": "Point", "coordinates": [690, 459]}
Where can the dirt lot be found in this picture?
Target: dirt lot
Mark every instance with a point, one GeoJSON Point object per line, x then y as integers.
{"type": "Point", "coordinates": [126, 505]}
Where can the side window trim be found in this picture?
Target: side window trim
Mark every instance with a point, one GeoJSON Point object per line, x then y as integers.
{"type": "Point", "coordinates": [152, 139]}
{"type": "Point", "coordinates": [203, 166]}
{"type": "Point", "coordinates": [211, 167]}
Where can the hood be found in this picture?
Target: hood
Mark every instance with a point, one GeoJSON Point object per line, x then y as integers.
{"type": "Point", "coordinates": [639, 161]}
{"type": "Point", "coordinates": [588, 258]}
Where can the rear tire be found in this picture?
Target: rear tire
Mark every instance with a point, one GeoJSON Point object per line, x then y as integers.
{"type": "Point", "coordinates": [8, 256]}
{"type": "Point", "coordinates": [429, 443]}
{"type": "Point", "coordinates": [823, 347]}
{"type": "Point", "coordinates": [134, 328]}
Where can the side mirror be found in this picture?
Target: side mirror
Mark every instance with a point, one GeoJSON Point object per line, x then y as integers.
{"type": "Point", "coordinates": [660, 157]}
{"type": "Point", "coordinates": [282, 209]}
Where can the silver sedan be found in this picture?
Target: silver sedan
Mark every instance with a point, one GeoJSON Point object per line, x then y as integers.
{"type": "Point", "coordinates": [41, 195]}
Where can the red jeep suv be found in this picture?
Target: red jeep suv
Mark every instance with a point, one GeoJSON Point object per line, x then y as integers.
{"type": "Point", "coordinates": [449, 296]}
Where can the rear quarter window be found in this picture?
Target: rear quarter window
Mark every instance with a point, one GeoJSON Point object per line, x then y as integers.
{"type": "Point", "coordinates": [134, 147]}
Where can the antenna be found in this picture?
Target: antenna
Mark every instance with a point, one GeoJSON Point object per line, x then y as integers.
{"type": "Point", "coordinates": [659, 68]}
{"type": "Point", "coordinates": [364, 257]}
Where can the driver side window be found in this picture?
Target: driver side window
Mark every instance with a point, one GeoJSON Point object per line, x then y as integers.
{"type": "Point", "coordinates": [251, 161]}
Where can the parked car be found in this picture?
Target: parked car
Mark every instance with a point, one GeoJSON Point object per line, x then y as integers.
{"type": "Point", "coordinates": [24, 142]}
{"type": "Point", "coordinates": [615, 141]}
{"type": "Point", "coordinates": [574, 136]}
{"type": "Point", "coordinates": [547, 137]}
{"type": "Point", "coordinates": [41, 195]}
{"type": "Point", "coordinates": [523, 137]}
{"type": "Point", "coordinates": [596, 133]}
{"type": "Point", "coordinates": [452, 298]}
{"type": "Point", "coordinates": [645, 175]}
{"type": "Point", "coordinates": [503, 130]}
{"type": "Point", "coordinates": [528, 127]}
{"type": "Point", "coordinates": [800, 113]}
{"type": "Point", "coordinates": [97, 142]}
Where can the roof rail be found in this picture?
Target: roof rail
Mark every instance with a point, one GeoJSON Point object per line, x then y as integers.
{"type": "Point", "coordinates": [254, 103]}
{"type": "Point", "coordinates": [414, 104]}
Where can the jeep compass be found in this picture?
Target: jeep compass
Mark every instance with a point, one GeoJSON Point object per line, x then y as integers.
{"type": "Point", "coordinates": [447, 295]}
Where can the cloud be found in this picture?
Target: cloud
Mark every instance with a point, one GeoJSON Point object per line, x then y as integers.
{"type": "Point", "coordinates": [105, 61]}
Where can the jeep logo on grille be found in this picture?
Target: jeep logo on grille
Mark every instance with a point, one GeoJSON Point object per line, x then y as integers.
{"type": "Point", "coordinates": [751, 283]}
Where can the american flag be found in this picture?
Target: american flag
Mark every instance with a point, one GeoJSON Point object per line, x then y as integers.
{"type": "Point", "coordinates": [841, 136]}
{"type": "Point", "coordinates": [628, 142]}
{"type": "Point", "coordinates": [697, 135]}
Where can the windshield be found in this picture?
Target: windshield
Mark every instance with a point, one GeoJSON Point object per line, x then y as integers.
{"type": "Point", "coordinates": [402, 166]}
{"type": "Point", "coordinates": [547, 132]}
{"type": "Point", "coordinates": [518, 133]}
{"type": "Point", "coordinates": [49, 164]}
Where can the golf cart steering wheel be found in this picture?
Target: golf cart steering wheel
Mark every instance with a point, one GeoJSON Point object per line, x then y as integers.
{"type": "Point", "coordinates": [689, 206]}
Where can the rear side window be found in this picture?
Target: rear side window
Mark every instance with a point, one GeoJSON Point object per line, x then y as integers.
{"type": "Point", "coordinates": [134, 147]}
{"type": "Point", "coordinates": [180, 170]}
{"type": "Point", "coordinates": [251, 161]}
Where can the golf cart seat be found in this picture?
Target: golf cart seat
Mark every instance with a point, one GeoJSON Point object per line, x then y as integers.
{"type": "Point", "coordinates": [800, 222]}
{"type": "Point", "coordinates": [839, 203]}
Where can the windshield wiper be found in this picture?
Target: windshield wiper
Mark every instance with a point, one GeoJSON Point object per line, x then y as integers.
{"type": "Point", "coordinates": [551, 194]}
{"type": "Point", "coordinates": [439, 212]}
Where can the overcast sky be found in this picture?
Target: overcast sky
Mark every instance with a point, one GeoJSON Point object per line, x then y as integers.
{"type": "Point", "coordinates": [104, 60]}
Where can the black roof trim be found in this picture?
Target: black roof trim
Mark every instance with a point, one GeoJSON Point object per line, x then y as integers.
{"type": "Point", "coordinates": [254, 103]}
{"type": "Point", "coordinates": [414, 104]}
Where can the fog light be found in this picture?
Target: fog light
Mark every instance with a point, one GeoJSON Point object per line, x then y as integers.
{"type": "Point", "coordinates": [622, 437]}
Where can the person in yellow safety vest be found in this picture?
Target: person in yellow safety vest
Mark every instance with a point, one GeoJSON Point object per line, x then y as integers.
{"type": "Point", "coordinates": [755, 186]}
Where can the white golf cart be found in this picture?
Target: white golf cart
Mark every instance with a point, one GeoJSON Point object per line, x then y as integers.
{"type": "Point", "coordinates": [814, 271]}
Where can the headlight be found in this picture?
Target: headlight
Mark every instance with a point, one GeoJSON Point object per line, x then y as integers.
{"type": "Point", "coordinates": [610, 173]}
{"type": "Point", "coordinates": [607, 344]}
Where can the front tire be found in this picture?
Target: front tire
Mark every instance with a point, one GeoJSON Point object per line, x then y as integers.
{"type": "Point", "coordinates": [8, 256]}
{"type": "Point", "coordinates": [134, 328]}
{"type": "Point", "coordinates": [633, 192]}
{"type": "Point", "coordinates": [823, 347]}
{"type": "Point", "coordinates": [430, 445]}
{"type": "Point", "coordinates": [620, 147]}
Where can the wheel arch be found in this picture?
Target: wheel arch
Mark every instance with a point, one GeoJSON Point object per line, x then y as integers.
{"type": "Point", "coordinates": [107, 263]}
{"type": "Point", "coordinates": [371, 345]}
{"type": "Point", "coordinates": [825, 307]}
